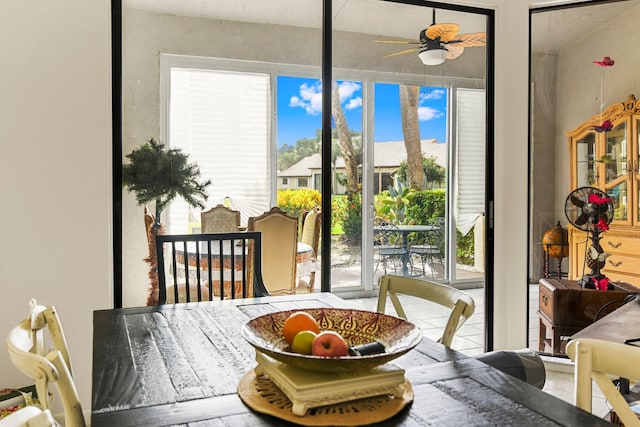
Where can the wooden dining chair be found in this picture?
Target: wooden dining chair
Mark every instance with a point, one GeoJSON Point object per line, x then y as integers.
{"type": "Point", "coordinates": [219, 219]}
{"type": "Point", "coordinates": [26, 342]}
{"type": "Point", "coordinates": [311, 227]}
{"type": "Point", "coordinates": [461, 305]}
{"type": "Point", "coordinates": [199, 267]}
{"type": "Point", "coordinates": [279, 249]}
{"type": "Point", "coordinates": [598, 360]}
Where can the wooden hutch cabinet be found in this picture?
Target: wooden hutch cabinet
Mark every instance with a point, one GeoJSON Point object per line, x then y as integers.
{"type": "Point", "coordinates": [610, 162]}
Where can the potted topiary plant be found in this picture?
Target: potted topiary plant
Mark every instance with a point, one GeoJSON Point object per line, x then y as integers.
{"type": "Point", "coordinates": [159, 175]}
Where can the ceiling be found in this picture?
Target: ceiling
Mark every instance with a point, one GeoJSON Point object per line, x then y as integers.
{"type": "Point", "coordinates": [555, 30]}
{"type": "Point", "coordinates": [551, 30]}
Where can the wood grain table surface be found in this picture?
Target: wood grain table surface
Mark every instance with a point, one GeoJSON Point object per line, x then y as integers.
{"type": "Point", "coordinates": [181, 365]}
{"type": "Point", "coordinates": [617, 326]}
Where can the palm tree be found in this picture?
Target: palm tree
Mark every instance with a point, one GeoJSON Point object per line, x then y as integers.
{"type": "Point", "coordinates": [346, 144]}
{"type": "Point", "coordinates": [159, 175]}
{"type": "Point", "coordinates": [411, 130]}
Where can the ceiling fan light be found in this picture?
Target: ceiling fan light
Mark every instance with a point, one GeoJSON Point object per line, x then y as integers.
{"type": "Point", "coordinates": [433, 56]}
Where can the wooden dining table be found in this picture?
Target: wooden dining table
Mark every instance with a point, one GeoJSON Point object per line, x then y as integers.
{"type": "Point", "coordinates": [181, 365]}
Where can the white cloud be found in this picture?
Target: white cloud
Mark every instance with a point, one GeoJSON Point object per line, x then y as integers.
{"type": "Point", "coordinates": [353, 103]}
{"type": "Point", "coordinates": [428, 113]}
{"type": "Point", "coordinates": [310, 97]}
{"type": "Point", "coordinates": [347, 89]}
{"type": "Point", "coordinates": [434, 94]}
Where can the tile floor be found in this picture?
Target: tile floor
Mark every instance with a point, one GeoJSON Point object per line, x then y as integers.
{"type": "Point", "coordinates": [431, 318]}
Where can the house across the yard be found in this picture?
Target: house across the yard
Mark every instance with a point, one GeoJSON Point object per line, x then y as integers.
{"type": "Point", "coordinates": [387, 158]}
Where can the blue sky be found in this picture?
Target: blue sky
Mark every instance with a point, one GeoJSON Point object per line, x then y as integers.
{"type": "Point", "coordinates": [300, 103]}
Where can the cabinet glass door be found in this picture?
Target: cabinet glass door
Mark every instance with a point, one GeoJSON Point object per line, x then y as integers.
{"type": "Point", "coordinates": [615, 161]}
{"type": "Point", "coordinates": [586, 170]}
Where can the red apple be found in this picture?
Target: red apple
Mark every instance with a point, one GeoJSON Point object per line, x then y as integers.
{"type": "Point", "coordinates": [329, 344]}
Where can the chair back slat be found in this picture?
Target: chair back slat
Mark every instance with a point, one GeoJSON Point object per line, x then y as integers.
{"type": "Point", "coordinates": [209, 265]}
{"type": "Point", "coordinates": [461, 305]}
{"type": "Point", "coordinates": [598, 361]}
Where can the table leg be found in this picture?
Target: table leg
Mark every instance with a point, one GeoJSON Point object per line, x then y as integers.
{"type": "Point", "coordinates": [405, 255]}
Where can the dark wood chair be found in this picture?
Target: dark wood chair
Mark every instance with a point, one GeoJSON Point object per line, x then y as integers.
{"type": "Point", "coordinates": [201, 267]}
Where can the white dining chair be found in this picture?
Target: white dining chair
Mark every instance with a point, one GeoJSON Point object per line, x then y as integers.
{"type": "Point", "coordinates": [27, 352]}
{"type": "Point", "coordinates": [29, 416]}
{"type": "Point", "coordinates": [461, 305]}
{"type": "Point", "coordinates": [599, 361]}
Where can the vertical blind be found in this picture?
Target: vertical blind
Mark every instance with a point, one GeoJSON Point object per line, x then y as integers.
{"type": "Point", "coordinates": [221, 119]}
{"type": "Point", "coordinates": [471, 123]}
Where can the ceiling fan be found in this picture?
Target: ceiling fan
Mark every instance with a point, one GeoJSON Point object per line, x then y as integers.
{"type": "Point", "coordinates": [439, 42]}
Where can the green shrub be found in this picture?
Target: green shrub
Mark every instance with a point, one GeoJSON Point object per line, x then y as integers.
{"type": "Point", "coordinates": [338, 210]}
{"type": "Point", "coordinates": [352, 220]}
{"type": "Point", "coordinates": [426, 205]}
{"type": "Point", "coordinates": [465, 249]}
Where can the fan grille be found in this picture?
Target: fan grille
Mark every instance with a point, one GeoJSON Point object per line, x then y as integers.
{"type": "Point", "coordinates": [584, 214]}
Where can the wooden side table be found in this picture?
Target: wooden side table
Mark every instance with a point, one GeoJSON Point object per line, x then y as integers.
{"type": "Point", "coordinates": [553, 338]}
{"type": "Point", "coordinates": [565, 308]}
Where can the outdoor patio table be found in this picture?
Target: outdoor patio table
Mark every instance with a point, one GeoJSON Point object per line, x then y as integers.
{"type": "Point", "coordinates": [405, 230]}
{"type": "Point", "coordinates": [179, 364]}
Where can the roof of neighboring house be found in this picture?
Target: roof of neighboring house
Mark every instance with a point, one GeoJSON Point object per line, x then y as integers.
{"type": "Point", "coordinates": [304, 166]}
{"type": "Point", "coordinates": [386, 155]}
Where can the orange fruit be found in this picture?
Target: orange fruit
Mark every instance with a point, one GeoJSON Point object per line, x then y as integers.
{"type": "Point", "coordinates": [296, 322]}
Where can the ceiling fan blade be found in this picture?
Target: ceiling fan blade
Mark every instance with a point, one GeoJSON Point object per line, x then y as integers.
{"type": "Point", "coordinates": [444, 31]}
{"type": "Point", "coordinates": [469, 40]}
{"type": "Point", "coordinates": [454, 51]}
{"type": "Point", "coordinates": [397, 41]}
{"type": "Point", "coordinates": [401, 52]}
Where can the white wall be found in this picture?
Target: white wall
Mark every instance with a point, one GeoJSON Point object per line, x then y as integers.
{"type": "Point", "coordinates": [579, 85]}
{"type": "Point", "coordinates": [55, 169]}
{"type": "Point", "coordinates": [55, 129]}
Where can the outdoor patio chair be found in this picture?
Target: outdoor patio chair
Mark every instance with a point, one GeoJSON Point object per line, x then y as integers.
{"type": "Point", "coordinates": [279, 249]}
{"type": "Point", "coordinates": [26, 346]}
{"type": "Point", "coordinates": [199, 267]}
{"type": "Point", "coordinates": [461, 305]}
{"type": "Point", "coordinates": [430, 250]}
{"type": "Point", "coordinates": [387, 244]}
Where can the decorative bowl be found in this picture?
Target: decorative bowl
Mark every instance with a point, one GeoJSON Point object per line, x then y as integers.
{"type": "Point", "coordinates": [357, 327]}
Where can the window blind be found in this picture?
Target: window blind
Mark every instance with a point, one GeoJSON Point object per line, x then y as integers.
{"type": "Point", "coordinates": [222, 120]}
{"type": "Point", "coordinates": [471, 113]}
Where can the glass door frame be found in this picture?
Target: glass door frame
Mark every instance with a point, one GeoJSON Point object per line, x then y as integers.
{"type": "Point", "coordinates": [326, 75]}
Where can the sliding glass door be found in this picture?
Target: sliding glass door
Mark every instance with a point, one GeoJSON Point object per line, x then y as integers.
{"type": "Point", "coordinates": [240, 91]}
